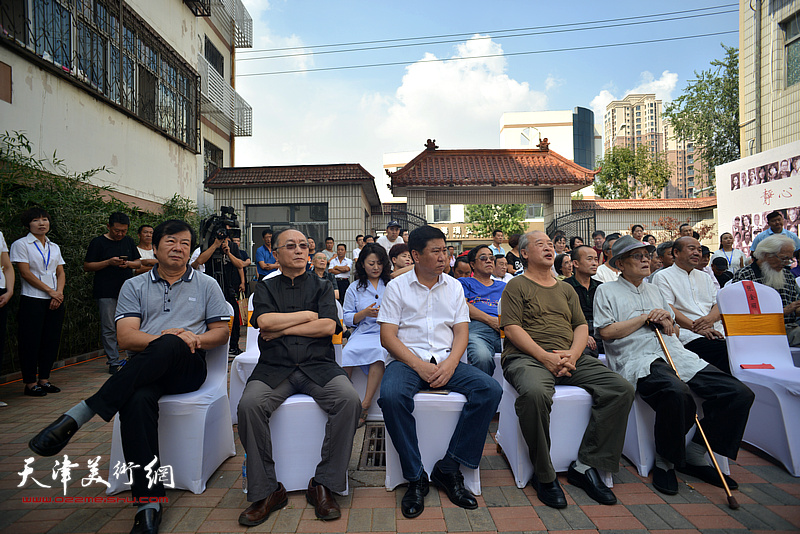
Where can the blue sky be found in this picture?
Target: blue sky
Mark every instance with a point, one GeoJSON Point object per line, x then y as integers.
{"type": "Point", "coordinates": [357, 115]}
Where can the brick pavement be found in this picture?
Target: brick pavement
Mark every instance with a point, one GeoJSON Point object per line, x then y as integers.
{"type": "Point", "coordinates": [769, 496]}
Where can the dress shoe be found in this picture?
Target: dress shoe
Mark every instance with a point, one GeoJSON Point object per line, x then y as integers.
{"type": "Point", "coordinates": [550, 493]}
{"type": "Point", "coordinates": [413, 502]}
{"type": "Point", "coordinates": [35, 391]}
{"type": "Point", "coordinates": [147, 521]}
{"type": "Point", "coordinates": [235, 351]}
{"type": "Point", "coordinates": [50, 388]}
{"type": "Point", "coordinates": [708, 474]}
{"type": "Point", "coordinates": [112, 369]}
{"type": "Point", "coordinates": [592, 484]}
{"type": "Point", "coordinates": [321, 498]}
{"type": "Point", "coordinates": [453, 485]}
{"type": "Point", "coordinates": [665, 481]}
{"type": "Point", "coordinates": [54, 437]}
{"type": "Point", "coordinates": [259, 511]}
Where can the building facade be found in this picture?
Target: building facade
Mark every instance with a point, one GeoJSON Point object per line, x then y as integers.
{"type": "Point", "coordinates": [143, 88]}
{"type": "Point", "coordinates": [769, 74]}
{"type": "Point", "coordinates": [571, 133]}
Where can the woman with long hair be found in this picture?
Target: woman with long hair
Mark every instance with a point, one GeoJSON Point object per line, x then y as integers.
{"type": "Point", "coordinates": [733, 256]}
{"type": "Point", "coordinates": [361, 305]}
{"type": "Point", "coordinates": [41, 305]}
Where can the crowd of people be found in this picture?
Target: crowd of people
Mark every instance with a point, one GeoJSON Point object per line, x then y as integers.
{"type": "Point", "coordinates": [420, 317]}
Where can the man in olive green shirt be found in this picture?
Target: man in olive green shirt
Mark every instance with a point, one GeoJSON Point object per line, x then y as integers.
{"type": "Point", "coordinates": [546, 333]}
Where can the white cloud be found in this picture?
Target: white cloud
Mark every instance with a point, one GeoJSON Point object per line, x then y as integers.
{"type": "Point", "coordinates": [553, 82]}
{"type": "Point", "coordinates": [599, 104]}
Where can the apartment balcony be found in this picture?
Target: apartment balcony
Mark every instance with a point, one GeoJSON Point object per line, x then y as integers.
{"type": "Point", "coordinates": [234, 12]}
{"type": "Point", "coordinates": [200, 8]}
{"type": "Point", "coordinates": [221, 102]}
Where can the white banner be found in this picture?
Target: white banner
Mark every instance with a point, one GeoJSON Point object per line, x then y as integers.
{"type": "Point", "coordinates": [750, 188]}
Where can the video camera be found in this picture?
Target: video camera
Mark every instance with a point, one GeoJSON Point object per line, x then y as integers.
{"type": "Point", "coordinates": [222, 226]}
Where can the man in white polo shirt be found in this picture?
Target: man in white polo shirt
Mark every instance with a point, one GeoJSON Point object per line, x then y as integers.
{"type": "Point", "coordinates": [425, 327]}
{"type": "Point", "coordinates": [392, 236]}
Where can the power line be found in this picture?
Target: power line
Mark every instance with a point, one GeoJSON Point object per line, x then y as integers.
{"type": "Point", "coordinates": [552, 50]}
{"type": "Point", "coordinates": [493, 32]}
{"type": "Point", "coordinates": [496, 37]}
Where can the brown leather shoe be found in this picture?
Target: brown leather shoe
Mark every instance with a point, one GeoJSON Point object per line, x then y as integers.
{"type": "Point", "coordinates": [259, 511]}
{"type": "Point", "coordinates": [321, 498]}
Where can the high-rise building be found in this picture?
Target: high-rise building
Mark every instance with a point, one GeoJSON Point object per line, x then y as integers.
{"type": "Point", "coordinates": [145, 89]}
{"type": "Point", "coordinates": [769, 74]}
{"type": "Point", "coordinates": [571, 133]}
{"type": "Point", "coordinates": [636, 120]}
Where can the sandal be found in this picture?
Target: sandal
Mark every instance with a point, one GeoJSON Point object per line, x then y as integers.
{"type": "Point", "coordinates": [362, 420]}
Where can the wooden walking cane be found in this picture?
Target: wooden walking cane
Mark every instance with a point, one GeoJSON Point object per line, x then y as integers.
{"type": "Point", "coordinates": [732, 504]}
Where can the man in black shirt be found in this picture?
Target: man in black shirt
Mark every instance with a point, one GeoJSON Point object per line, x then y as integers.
{"type": "Point", "coordinates": [584, 263]}
{"type": "Point", "coordinates": [112, 257]}
{"type": "Point", "coordinates": [297, 316]}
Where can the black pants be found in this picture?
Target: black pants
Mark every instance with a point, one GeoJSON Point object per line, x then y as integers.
{"type": "Point", "coordinates": [236, 328]}
{"type": "Point", "coordinates": [39, 337]}
{"type": "Point", "coordinates": [165, 367]}
{"type": "Point", "coordinates": [3, 321]}
{"type": "Point", "coordinates": [342, 284]}
{"type": "Point", "coordinates": [714, 351]}
{"type": "Point", "coordinates": [726, 406]}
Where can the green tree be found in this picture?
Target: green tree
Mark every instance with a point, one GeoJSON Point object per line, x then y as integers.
{"type": "Point", "coordinates": [708, 112]}
{"type": "Point", "coordinates": [484, 218]}
{"type": "Point", "coordinates": [627, 173]}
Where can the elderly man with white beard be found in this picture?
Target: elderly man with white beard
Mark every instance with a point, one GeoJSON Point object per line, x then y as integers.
{"type": "Point", "coordinates": [773, 256]}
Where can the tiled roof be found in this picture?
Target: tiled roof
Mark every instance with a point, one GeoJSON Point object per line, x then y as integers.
{"type": "Point", "coordinates": [481, 167]}
{"type": "Point", "coordinates": [646, 204]}
{"type": "Point", "coordinates": [293, 174]}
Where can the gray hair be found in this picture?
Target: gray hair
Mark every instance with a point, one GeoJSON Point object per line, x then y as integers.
{"type": "Point", "coordinates": [523, 245]}
{"type": "Point", "coordinates": [772, 245]}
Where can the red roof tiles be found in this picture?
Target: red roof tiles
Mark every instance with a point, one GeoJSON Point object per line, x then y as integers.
{"type": "Point", "coordinates": [646, 203]}
{"type": "Point", "coordinates": [481, 167]}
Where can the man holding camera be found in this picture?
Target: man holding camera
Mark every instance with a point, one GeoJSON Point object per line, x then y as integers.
{"type": "Point", "coordinates": [112, 257]}
{"type": "Point", "coordinates": [224, 267]}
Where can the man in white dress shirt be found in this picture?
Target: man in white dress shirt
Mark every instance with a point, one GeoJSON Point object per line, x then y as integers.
{"type": "Point", "coordinates": [693, 297]}
{"type": "Point", "coordinates": [425, 327]}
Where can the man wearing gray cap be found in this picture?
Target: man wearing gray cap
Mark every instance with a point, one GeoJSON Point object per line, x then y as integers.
{"type": "Point", "coordinates": [623, 313]}
{"type": "Point", "coordinates": [392, 236]}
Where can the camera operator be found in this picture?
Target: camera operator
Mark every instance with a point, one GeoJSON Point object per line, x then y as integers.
{"type": "Point", "coordinates": [221, 260]}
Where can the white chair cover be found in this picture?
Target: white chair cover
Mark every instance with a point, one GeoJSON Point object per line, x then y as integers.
{"type": "Point", "coordinates": [298, 430]}
{"type": "Point", "coordinates": [774, 423]}
{"type": "Point", "coordinates": [436, 416]}
{"type": "Point", "coordinates": [359, 380]}
{"type": "Point", "coordinates": [195, 434]}
{"type": "Point", "coordinates": [570, 413]}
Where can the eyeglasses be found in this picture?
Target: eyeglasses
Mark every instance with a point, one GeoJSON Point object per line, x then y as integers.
{"type": "Point", "coordinates": [639, 256]}
{"type": "Point", "coordinates": [292, 246]}
{"type": "Point", "coordinates": [784, 259]}
{"type": "Point", "coordinates": [485, 257]}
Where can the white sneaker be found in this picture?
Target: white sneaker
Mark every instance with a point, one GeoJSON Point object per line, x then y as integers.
{"type": "Point", "coordinates": [3, 404]}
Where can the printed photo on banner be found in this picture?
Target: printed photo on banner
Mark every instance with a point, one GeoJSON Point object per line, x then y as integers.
{"type": "Point", "coordinates": [762, 174]}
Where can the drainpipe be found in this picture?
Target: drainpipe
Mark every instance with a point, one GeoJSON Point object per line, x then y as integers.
{"type": "Point", "coordinates": [757, 73]}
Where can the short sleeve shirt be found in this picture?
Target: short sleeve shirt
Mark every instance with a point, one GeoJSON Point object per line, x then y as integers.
{"type": "Point", "coordinates": [425, 317]}
{"type": "Point", "coordinates": [192, 302]}
{"type": "Point", "coordinates": [3, 248]}
{"type": "Point", "coordinates": [265, 255]}
{"type": "Point", "coordinates": [485, 298]}
{"type": "Point", "coordinates": [549, 315]}
{"type": "Point", "coordinates": [691, 293]}
{"type": "Point", "coordinates": [346, 262]}
{"type": "Point", "coordinates": [43, 262]}
{"type": "Point", "coordinates": [108, 281]}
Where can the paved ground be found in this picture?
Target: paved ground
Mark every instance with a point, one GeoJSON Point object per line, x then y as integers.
{"type": "Point", "coordinates": [769, 496]}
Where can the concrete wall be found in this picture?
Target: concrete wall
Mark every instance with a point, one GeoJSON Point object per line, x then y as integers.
{"type": "Point", "coordinates": [556, 126]}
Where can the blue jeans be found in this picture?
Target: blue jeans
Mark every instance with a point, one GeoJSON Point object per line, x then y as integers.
{"type": "Point", "coordinates": [108, 329]}
{"type": "Point", "coordinates": [484, 342]}
{"type": "Point", "coordinates": [399, 385]}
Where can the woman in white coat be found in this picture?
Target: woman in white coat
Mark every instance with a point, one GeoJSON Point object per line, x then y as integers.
{"type": "Point", "coordinates": [361, 305]}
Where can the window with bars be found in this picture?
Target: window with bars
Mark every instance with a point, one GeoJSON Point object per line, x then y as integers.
{"type": "Point", "coordinates": [791, 29]}
{"type": "Point", "coordinates": [117, 57]}
{"type": "Point", "coordinates": [214, 57]}
{"type": "Point", "coordinates": [212, 158]}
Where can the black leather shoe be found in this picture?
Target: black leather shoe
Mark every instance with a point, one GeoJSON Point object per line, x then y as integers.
{"type": "Point", "coordinates": [35, 391]}
{"type": "Point", "coordinates": [50, 388]}
{"type": "Point", "coordinates": [259, 511]}
{"type": "Point", "coordinates": [592, 484]}
{"type": "Point", "coordinates": [708, 474]}
{"type": "Point", "coordinates": [147, 521]}
{"type": "Point", "coordinates": [665, 481]}
{"type": "Point", "coordinates": [453, 485]}
{"type": "Point", "coordinates": [413, 502]}
{"type": "Point", "coordinates": [54, 437]}
{"type": "Point", "coordinates": [550, 493]}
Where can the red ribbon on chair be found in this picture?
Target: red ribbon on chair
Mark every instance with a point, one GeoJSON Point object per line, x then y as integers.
{"type": "Point", "coordinates": [752, 297]}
